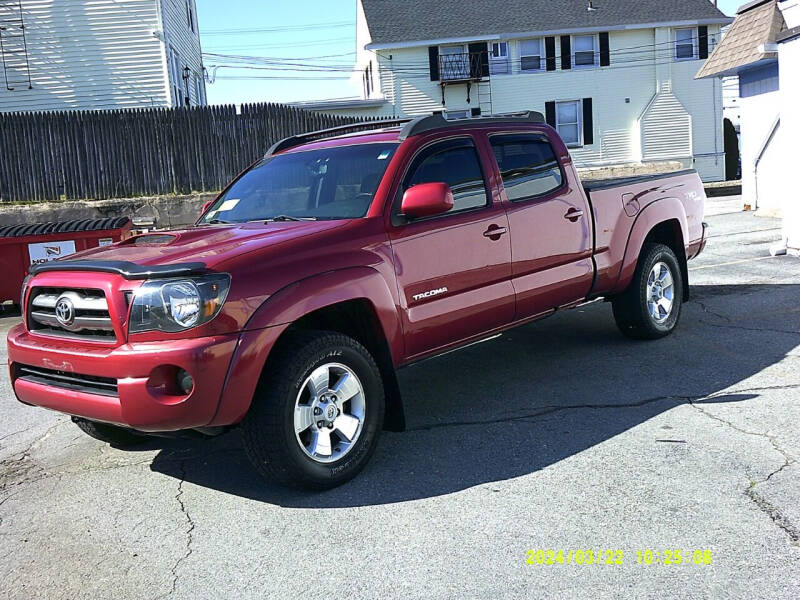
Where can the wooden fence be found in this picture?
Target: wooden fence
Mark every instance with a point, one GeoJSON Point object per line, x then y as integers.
{"type": "Point", "coordinates": [128, 153]}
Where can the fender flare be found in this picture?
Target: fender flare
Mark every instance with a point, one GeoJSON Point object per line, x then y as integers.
{"type": "Point", "coordinates": [652, 215]}
{"type": "Point", "coordinates": [292, 303]}
{"type": "Point", "coordinates": [303, 297]}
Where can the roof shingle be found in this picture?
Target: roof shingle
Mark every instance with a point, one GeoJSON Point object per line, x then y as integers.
{"type": "Point", "coordinates": [756, 24]}
{"type": "Point", "coordinates": [391, 21]}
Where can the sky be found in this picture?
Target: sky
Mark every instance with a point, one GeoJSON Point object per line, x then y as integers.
{"type": "Point", "coordinates": [278, 32]}
{"type": "Point", "coordinates": [286, 51]}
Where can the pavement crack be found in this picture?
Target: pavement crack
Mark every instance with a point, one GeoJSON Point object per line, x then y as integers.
{"type": "Point", "coordinates": [189, 532]}
{"type": "Point", "coordinates": [13, 433]}
{"type": "Point", "coordinates": [20, 468]}
{"type": "Point", "coordinates": [711, 312]}
{"type": "Point", "coordinates": [743, 328]}
{"type": "Point", "coordinates": [545, 410]}
{"type": "Point", "coordinates": [773, 513]}
{"type": "Point", "coordinates": [762, 503]}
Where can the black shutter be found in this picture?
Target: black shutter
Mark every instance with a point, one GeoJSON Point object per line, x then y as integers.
{"type": "Point", "coordinates": [478, 60]}
{"type": "Point", "coordinates": [433, 59]}
{"type": "Point", "coordinates": [588, 123]}
{"type": "Point", "coordinates": [605, 52]}
{"type": "Point", "coordinates": [550, 53]}
{"type": "Point", "coordinates": [702, 38]}
{"type": "Point", "coordinates": [550, 113]}
{"type": "Point", "coordinates": [566, 53]}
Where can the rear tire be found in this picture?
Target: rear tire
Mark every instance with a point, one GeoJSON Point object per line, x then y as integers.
{"type": "Point", "coordinates": [319, 390]}
{"type": "Point", "coordinates": [110, 434]}
{"type": "Point", "coordinates": [651, 306]}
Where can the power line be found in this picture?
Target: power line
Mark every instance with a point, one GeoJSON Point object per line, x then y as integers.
{"type": "Point", "coordinates": [626, 57]}
{"type": "Point", "coordinates": [285, 28]}
{"type": "Point", "coordinates": [286, 45]}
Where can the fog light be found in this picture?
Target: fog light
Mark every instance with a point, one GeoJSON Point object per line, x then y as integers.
{"type": "Point", "coordinates": [185, 381]}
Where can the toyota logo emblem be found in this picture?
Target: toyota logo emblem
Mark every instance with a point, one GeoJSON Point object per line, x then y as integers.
{"type": "Point", "coordinates": [65, 312]}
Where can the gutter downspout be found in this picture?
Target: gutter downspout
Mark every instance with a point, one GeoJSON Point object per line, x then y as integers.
{"type": "Point", "coordinates": [760, 155]}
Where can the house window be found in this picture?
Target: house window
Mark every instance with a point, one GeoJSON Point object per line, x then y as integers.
{"type": "Point", "coordinates": [568, 122]}
{"type": "Point", "coordinates": [685, 44]}
{"type": "Point", "coordinates": [454, 63]}
{"type": "Point", "coordinates": [530, 55]}
{"type": "Point", "coordinates": [451, 115]}
{"type": "Point", "coordinates": [584, 51]}
{"type": "Point", "coordinates": [177, 76]}
{"type": "Point", "coordinates": [198, 90]}
{"type": "Point", "coordinates": [191, 20]}
{"type": "Point", "coordinates": [498, 58]}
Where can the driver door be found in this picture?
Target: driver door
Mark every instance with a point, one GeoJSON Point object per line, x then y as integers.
{"type": "Point", "coordinates": [453, 270]}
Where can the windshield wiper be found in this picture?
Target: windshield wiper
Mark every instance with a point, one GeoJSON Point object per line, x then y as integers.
{"type": "Point", "coordinates": [290, 218]}
{"type": "Point", "coordinates": [218, 222]}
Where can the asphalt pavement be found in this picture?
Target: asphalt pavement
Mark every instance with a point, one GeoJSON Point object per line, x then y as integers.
{"type": "Point", "coordinates": [560, 435]}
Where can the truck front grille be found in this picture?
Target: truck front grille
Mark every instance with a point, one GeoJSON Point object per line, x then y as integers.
{"type": "Point", "coordinates": [72, 313]}
{"type": "Point", "coordinates": [104, 386]}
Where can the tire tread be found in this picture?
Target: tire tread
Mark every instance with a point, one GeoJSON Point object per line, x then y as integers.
{"type": "Point", "coordinates": [262, 437]}
{"type": "Point", "coordinates": [630, 312]}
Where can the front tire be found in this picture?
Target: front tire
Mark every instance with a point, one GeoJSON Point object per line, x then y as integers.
{"type": "Point", "coordinates": [317, 414]}
{"type": "Point", "coordinates": [651, 306]}
{"type": "Point", "coordinates": [118, 437]}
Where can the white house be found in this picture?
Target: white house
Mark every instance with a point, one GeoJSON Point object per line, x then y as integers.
{"type": "Point", "coordinates": [616, 78]}
{"type": "Point", "coordinates": [99, 54]}
{"type": "Point", "coordinates": [763, 49]}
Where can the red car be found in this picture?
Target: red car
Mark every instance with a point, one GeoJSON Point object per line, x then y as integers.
{"type": "Point", "coordinates": [338, 258]}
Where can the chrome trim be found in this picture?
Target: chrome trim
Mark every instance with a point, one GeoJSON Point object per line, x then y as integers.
{"type": "Point", "coordinates": [78, 301]}
{"type": "Point", "coordinates": [72, 313]}
{"type": "Point", "coordinates": [79, 324]}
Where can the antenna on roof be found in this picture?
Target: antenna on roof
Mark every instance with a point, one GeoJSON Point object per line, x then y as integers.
{"type": "Point", "coordinates": [591, 7]}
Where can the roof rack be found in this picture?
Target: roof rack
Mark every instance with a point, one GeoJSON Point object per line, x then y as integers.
{"type": "Point", "coordinates": [438, 121]}
{"type": "Point", "coordinates": [296, 140]}
{"type": "Point", "coordinates": [411, 127]}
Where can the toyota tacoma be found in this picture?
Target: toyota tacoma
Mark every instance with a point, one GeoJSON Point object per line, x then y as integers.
{"type": "Point", "coordinates": [338, 258]}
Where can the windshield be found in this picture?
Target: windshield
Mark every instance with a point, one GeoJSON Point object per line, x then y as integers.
{"type": "Point", "coordinates": [333, 183]}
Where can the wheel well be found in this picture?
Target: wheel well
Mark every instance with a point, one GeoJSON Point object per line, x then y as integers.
{"type": "Point", "coordinates": [357, 319]}
{"type": "Point", "coordinates": [670, 234]}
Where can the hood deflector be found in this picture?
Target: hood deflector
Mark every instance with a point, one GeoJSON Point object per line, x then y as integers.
{"type": "Point", "coordinates": [127, 269]}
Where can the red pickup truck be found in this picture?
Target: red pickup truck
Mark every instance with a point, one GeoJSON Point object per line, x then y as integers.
{"type": "Point", "coordinates": [339, 257]}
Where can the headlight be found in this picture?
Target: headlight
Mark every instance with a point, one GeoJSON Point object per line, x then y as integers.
{"type": "Point", "coordinates": [22, 292]}
{"type": "Point", "coordinates": [173, 305]}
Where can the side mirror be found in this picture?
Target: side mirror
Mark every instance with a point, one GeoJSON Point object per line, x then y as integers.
{"type": "Point", "coordinates": [427, 200]}
{"type": "Point", "coordinates": [206, 206]}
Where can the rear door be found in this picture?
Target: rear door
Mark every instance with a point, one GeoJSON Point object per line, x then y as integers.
{"type": "Point", "coordinates": [550, 220]}
{"type": "Point", "coordinates": [453, 270]}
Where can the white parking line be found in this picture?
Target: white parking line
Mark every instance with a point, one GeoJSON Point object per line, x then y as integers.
{"type": "Point", "coordinates": [733, 262]}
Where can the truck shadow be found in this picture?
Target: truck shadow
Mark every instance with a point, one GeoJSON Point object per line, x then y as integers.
{"type": "Point", "coordinates": [536, 396]}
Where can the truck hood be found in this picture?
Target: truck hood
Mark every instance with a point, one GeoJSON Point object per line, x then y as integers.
{"type": "Point", "coordinates": [211, 244]}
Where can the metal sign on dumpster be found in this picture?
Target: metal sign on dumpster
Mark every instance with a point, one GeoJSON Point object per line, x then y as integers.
{"type": "Point", "coordinates": [47, 251]}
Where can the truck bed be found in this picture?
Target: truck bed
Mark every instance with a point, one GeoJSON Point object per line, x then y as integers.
{"type": "Point", "coordinates": [602, 184]}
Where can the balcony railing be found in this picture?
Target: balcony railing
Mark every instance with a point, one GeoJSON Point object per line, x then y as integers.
{"type": "Point", "coordinates": [463, 66]}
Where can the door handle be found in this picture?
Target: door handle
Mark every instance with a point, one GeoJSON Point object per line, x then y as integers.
{"type": "Point", "coordinates": [573, 214]}
{"type": "Point", "coordinates": [494, 232]}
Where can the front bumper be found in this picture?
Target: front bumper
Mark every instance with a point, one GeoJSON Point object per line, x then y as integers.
{"type": "Point", "coordinates": [141, 400]}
